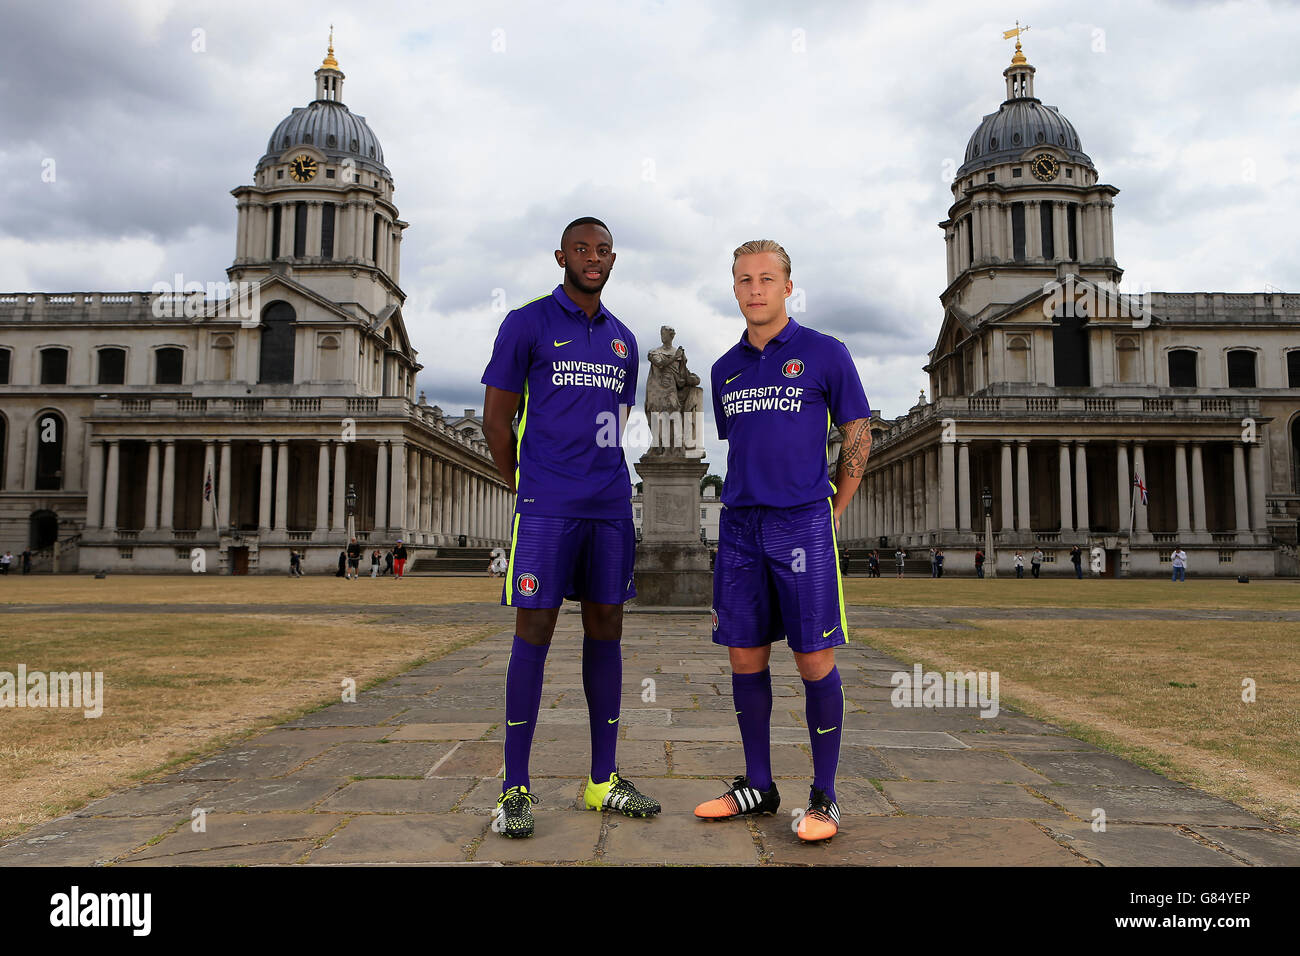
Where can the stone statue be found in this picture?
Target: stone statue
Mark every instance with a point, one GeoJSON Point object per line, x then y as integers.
{"type": "Point", "coordinates": [674, 402]}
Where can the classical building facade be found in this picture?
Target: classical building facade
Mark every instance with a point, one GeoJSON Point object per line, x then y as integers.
{"type": "Point", "coordinates": [138, 426]}
{"type": "Point", "coordinates": [1053, 391]}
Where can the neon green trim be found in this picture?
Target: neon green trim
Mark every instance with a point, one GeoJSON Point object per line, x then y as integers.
{"type": "Point", "coordinates": [510, 569]}
{"type": "Point", "coordinates": [839, 578]}
{"type": "Point", "coordinates": [519, 442]}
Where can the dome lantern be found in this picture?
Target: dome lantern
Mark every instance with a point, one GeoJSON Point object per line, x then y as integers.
{"type": "Point", "coordinates": [329, 78]}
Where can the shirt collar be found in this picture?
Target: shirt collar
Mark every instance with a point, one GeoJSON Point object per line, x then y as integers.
{"type": "Point", "coordinates": [780, 338]}
{"type": "Point", "coordinates": [576, 310]}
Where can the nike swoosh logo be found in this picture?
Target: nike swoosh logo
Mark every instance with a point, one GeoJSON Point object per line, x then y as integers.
{"type": "Point", "coordinates": [615, 720]}
{"type": "Point", "coordinates": [515, 723]}
{"type": "Point", "coordinates": [733, 378]}
{"type": "Point", "coordinates": [565, 342]}
{"type": "Point", "coordinates": [828, 729]}
{"type": "Point", "coordinates": [828, 634]}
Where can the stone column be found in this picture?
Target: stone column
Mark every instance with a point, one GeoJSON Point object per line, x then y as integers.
{"type": "Point", "coordinates": [1199, 524]}
{"type": "Point", "coordinates": [435, 495]}
{"type": "Point", "coordinates": [397, 481]}
{"type": "Point", "coordinates": [1022, 485]}
{"type": "Point", "coordinates": [381, 485]}
{"type": "Point", "coordinates": [963, 484]}
{"type": "Point", "coordinates": [931, 489]}
{"type": "Point", "coordinates": [413, 491]}
{"type": "Point", "coordinates": [167, 519]}
{"type": "Point", "coordinates": [323, 488]}
{"type": "Point", "coordinates": [1081, 483]}
{"type": "Point", "coordinates": [111, 486]}
{"type": "Point", "coordinates": [95, 485]}
{"type": "Point", "coordinates": [282, 488]}
{"type": "Point", "coordinates": [947, 485]}
{"type": "Point", "coordinates": [264, 498]}
{"type": "Point", "coordinates": [1239, 493]}
{"type": "Point", "coordinates": [209, 471]}
{"type": "Point", "coordinates": [1180, 484]}
{"type": "Point", "coordinates": [1140, 469]}
{"type": "Point", "coordinates": [340, 486]}
{"type": "Point", "coordinates": [1123, 484]}
{"type": "Point", "coordinates": [1258, 488]}
{"type": "Point", "coordinates": [1033, 231]}
{"type": "Point", "coordinates": [151, 489]}
{"type": "Point", "coordinates": [1008, 500]}
{"type": "Point", "coordinates": [223, 493]}
{"type": "Point", "coordinates": [1066, 490]}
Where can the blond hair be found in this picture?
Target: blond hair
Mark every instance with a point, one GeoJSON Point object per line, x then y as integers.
{"type": "Point", "coordinates": [761, 245]}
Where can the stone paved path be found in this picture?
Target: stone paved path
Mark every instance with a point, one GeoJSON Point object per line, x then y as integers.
{"type": "Point", "coordinates": [407, 775]}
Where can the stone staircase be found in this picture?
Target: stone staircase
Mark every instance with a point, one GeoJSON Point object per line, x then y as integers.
{"type": "Point", "coordinates": [452, 560]}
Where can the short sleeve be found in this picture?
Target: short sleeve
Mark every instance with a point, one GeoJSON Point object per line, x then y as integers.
{"type": "Point", "coordinates": [719, 420]}
{"type": "Point", "coordinates": [512, 354]}
{"type": "Point", "coordinates": [628, 396]}
{"type": "Point", "coordinates": [845, 396]}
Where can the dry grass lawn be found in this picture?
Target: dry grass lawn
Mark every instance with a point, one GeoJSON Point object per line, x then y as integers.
{"type": "Point", "coordinates": [1204, 594]}
{"type": "Point", "coordinates": [177, 687]}
{"type": "Point", "coordinates": [1166, 695]}
{"type": "Point", "coordinates": [249, 589]}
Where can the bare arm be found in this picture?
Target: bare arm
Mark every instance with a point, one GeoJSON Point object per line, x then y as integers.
{"type": "Point", "coordinates": [499, 407]}
{"type": "Point", "coordinates": [853, 462]}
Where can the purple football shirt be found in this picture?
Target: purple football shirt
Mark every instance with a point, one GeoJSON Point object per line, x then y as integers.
{"type": "Point", "coordinates": [573, 373]}
{"type": "Point", "coordinates": [774, 409]}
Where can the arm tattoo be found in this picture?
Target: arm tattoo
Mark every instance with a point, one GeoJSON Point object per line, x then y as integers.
{"type": "Point", "coordinates": [856, 447]}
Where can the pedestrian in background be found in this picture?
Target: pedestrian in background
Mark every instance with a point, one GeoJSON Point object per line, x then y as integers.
{"type": "Point", "coordinates": [900, 556]}
{"type": "Point", "coordinates": [399, 559]}
{"type": "Point", "coordinates": [27, 561]}
{"type": "Point", "coordinates": [873, 564]}
{"type": "Point", "coordinates": [388, 561]}
{"type": "Point", "coordinates": [934, 564]}
{"type": "Point", "coordinates": [1020, 565]}
{"type": "Point", "coordinates": [979, 563]}
{"type": "Point", "coordinates": [938, 562]}
{"type": "Point", "coordinates": [1179, 559]}
{"type": "Point", "coordinates": [1076, 556]}
{"type": "Point", "coordinates": [374, 563]}
{"type": "Point", "coordinates": [1037, 561]}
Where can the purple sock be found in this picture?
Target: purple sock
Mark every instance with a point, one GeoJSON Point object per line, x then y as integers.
{"type": "Point", "coordinates": [752, 694]}
{"type": "Point", "coordinates": [602, 681]}
{"type": "Point", "coordinates": [523, 697]}
{"type": "Point", "coordinates": [825, 712]}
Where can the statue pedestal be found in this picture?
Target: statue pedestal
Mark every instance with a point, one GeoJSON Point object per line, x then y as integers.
{"type": "Point", "coordinates": [672, 563]}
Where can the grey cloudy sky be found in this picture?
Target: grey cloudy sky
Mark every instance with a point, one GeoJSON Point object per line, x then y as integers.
{"type": "Point", "coordinates": [689, 127]}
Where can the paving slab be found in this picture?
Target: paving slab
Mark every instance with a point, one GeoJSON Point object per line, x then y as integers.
{"type": "Point", "coordinates": [969, 800]}
{"type": "Point", "coordinates": [1094, 769]}
{"type": "Point", "coordinates": [961, 766]}
{"type": "Point", "coordinates": [439, 732]}
{"type": "Point", "coordinates": [1256, 847]}
{"type": "Point", "coordinates": [679, 838]}
{"type": "Point", "coordinates": [84, 842]}
{"type": "Point", "coordinates": [557, 837]}
{"type": "Point", "coordinates": [399, 796]}
{"type": "Point", "coordinates": [1133, 845]}
{"type": "Point", "coordinates": [151, 799]}
{"type": "Point", "coordinates": [410, 838]}
{"type": "Point", "coordinates": [406, 759]}
{"type": "Point", "coordinates": [289, 793]}
{"type": "Point", "coordinates": [222, 830]}
{"type": "Point", "coordinates": [1171, 804]}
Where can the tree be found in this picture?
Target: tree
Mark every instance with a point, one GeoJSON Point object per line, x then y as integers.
{"type": "Point", "coordinates": [714, 480]}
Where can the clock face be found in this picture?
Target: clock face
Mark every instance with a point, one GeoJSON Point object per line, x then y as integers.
{"type": "Point", "coordinates": [303, 168]}
{"type": "Point", "coordinates": [1045, 167]}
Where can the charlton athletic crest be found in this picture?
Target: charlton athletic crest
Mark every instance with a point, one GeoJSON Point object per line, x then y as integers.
{"type": "Point", "coordinates": [715, 618]}
{"type": "Point", "coordinates": [792, 368]}
{"type": "Point", "coordinates": [619, 347]}
{"type": "Point", "coordinates": [526, 584]}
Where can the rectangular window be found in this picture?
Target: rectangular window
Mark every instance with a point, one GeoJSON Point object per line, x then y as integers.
{"type": "Point", "coordinates": [1018, 231]}
{"type": "Point", "coordinates": [112, 366]}
{"type": "Point", "coordinates": [54, 366]}
{"type": "Point", "coordinates": [1241, 369]}
{"type": "Point", "coordinates": [327, 231]}
{"type": "Point", "coordinates": [1045, 217]}
{"type": "Point", "coordinates": [1292, 368]}
{"type": "Point", "coordinates": [1182, 368]}
{"type": "Point", "coordinates": [4, 366]}
{"type": "Point", "coordinates": [1072, 221]}
{"type": "Point", "coordinates": [275, 231]}
{"type": "Point", "coordinates": [299, 229]}
{"type": "Point", "coordinates": [970, 241]}
{"type": "Point", "coordinates": [374, 242]}
{"type": "Point", "coordinates": [1015, 173]}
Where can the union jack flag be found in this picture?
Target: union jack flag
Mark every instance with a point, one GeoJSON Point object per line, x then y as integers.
{"type": "Point", "coordinates": [207, 487]}
{"type": "Point", "coordinates": [1142, 489]}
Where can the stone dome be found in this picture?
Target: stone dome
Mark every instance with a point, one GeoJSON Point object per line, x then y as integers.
{"type": "Point", "coordinates": [329, 127]}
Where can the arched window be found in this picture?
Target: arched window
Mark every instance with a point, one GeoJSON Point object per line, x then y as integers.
{"type": "Point", "coordinates": [327, 361]}
{"type": "Point", "coordinates": [49, 451]}
{"type": "Point", "coordinates": [276, 360]}
{"type": "Point", "coordinates": [1241, 368]}
{"type": "Point", "coordinates": [169, 366]}
{"type": "Point", "coordinates": [112, 366]}
{"type": "Point", "coordinates": [1017, 359]}
{"type": "Point", "coordinates": [54, 366]}
{"type": "Point", "coordinates": [1182, 368]}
